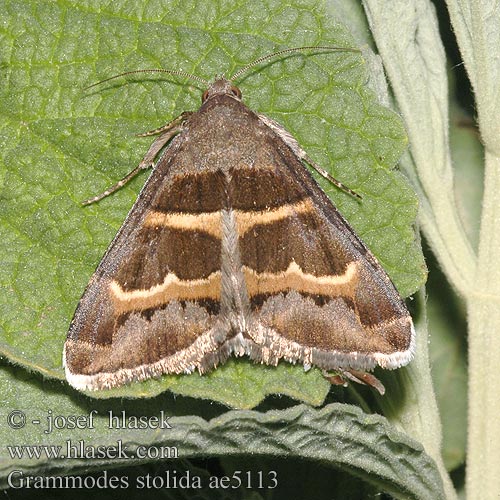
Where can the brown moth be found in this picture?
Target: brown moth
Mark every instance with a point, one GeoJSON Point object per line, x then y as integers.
{"type": "Point", "coordinates": [232, 247]}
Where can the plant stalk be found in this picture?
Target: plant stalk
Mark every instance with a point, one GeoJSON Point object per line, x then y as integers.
{"type": "Point", "coordinates": [483, 456]}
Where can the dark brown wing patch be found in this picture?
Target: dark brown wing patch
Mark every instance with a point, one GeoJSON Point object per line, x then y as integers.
{"type": "Point", "coordinates": [312, 282]}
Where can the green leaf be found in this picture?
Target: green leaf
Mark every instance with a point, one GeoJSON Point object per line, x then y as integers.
{"type": "Point", "coordinates": [408, 40]}
{"type": "Point", "coordinates": [59, 146]}
{"type": "Point", "coordinates": [338, 435]}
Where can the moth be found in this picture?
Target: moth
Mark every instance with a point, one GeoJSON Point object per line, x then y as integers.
{"type": "Point", "coordinates": [233, 248]}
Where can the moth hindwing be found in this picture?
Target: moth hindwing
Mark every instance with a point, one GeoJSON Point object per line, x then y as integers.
{"type": "Point", "coordinates": [232, 247]}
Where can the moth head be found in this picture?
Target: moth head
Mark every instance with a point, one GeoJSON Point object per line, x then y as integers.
{"type": "Point", "coordinates": [221, 86]}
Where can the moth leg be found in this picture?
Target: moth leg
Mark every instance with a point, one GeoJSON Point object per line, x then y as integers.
{"type": "Point", "coordinates": [300, 153]}
{"type": "Point", "coordinates": [166, 133]}
{"type": "Point", "coordinates": [326, 175]}
{"type": "Point", "coordinates": [169, 126]}
{"type": "Point", "coordinates": [357, 376]}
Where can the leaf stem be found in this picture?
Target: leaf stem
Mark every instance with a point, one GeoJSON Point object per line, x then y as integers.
{"type": "Point", "coordinates": [483, 461]}
{"type": "Point", "coordinates": [477, 28]}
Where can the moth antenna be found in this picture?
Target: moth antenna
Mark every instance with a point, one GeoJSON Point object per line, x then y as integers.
{"type": "Point", "coordinates": [287, 51]}
{"type": "Point", "coordinates": [176, 72]}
